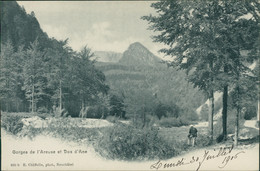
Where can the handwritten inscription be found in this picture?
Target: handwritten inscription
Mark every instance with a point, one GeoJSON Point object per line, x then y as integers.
{"type": "Point", "coordinates": [207, 155]}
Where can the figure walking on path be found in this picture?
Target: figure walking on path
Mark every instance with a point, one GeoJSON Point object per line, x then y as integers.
{"type": "Point", "coordinates": [192, 136]}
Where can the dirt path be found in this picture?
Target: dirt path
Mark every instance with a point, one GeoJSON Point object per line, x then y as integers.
{"type": "Point", "coordinates": [19, 151]}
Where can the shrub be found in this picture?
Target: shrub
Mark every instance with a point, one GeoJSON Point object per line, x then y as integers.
{"type": "Point", "coordinates": [83, 112]}
{"type": "Point", "coordinates": [12, 124]}
{"type": "Point", "coordinates": [151, 120]}
{"type": "Point", "coordinates": [164, 110]}
{"type": "Point", "coordinates": [121, 141]}
{"type": "Point", "coordinates": [112, 119]}
{"type": "Point", "coordinates": [145, 119]}
{"type": "Point", "coordinates": [173, 122]}
{"type": "Point", "coordinates": [189, 114]}
{"type": "Point", "coordinates": [117, 106]}
{"type": "Point", "coordinates": [58, 113]}
{"type": "Point", "coordinates": [185, 122]}
{"type": "Point", "coordinates": [43, 115]}
{"type": "Point", "coordinates": [169, 122]}
{"type": "Point", "coordinates": [203, 141]}
{"type": "Point", "coordinates": [96, 111]}
{"type": "Point", "coordinates": [42, 110]}
{"type": "Point", "coordinates": [31, 132]}
{"type": "Point", "coordinates": [128, 143]}
{"type": "Point", "coordinates": [250, 112]}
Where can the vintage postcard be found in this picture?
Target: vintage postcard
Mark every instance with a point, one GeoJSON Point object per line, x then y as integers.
{"type": "Point", "coordinates": [130, 85]}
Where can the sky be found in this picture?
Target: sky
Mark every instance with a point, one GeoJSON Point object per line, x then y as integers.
{"type": "Point", "coordinates": [101, 25]}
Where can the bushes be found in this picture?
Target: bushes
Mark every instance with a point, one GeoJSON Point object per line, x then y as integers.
{"type": "Point", "coordinates": [57, 113]}
{"type": "Point", "coordinates": [189, 114]}
{"type": "Point", "coordinates": [164, 110]}
{"type": "Point", "coordinates": [121, 141]}
{"type": "Point", "coordinates": [96, 111]}
{"type": "Point", "coordinates": [173, 122]}
{"type": "Point", "coordinates": [203, 141]}
{"type": "Point", "coordinates": [112, 119]}
{"type": "Point", "coordinates": [117, 106]}
{"type": "Point", "coordinates": [12, 124]}
{"type": "Point", "coordinates": [250, 112]}
{"type": "Point", "coordinates": [42, 110]}
{"type": "Point", "coordinates": [125, 142]}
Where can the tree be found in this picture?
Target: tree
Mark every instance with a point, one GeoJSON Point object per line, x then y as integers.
{"type": "Point", "coordinates": [205, 39]}
{"type": "Point", "coordinates": [117, 107]}
{"type": "Point", "coordinates": [86, 82]}
{"type": "Point", "coordinates": [189, 37]}
{"type": "Point", "coordinates": [7, 75]}
{"type": "Point", "coordinates": [57, 71]}
{"type": "Point", "coordinates": [40, 72]}
{"type": "Point", "coordinates": [240, 34]}
{"type": "Point", "coordinates": [33, 75]}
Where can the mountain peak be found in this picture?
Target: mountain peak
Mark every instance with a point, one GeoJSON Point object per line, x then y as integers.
{"type": "Point", "coordinates": [136, 44]}
{"type": "Point", "coordinates": [138, 54]}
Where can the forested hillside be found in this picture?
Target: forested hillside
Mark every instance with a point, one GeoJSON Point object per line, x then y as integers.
{"type": "Point", "coordinates": [39, 74]}
{"type": "Point", "coordinates": [20, 28]}
{"type": "Point", "coordinates": [146, 85]}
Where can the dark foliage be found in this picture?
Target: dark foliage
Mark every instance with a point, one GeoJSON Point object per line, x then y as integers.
{"type": "Point", "coordinates": [39, 73]}
{"type": "Point", "coordinates": [173, 122]}
{"type": "Point", "coordinates": [12, 124]}
{"type": "Point", "coordinates": [163, 110]}
{"type": "Point", "coordinates": [208, 39]}
{"type": "Point", "coordinates": [117, 107]}
{"type": "Point", "coordinates": [128, 143]}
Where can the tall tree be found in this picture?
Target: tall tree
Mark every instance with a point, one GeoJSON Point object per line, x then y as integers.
{"type": "Point", "coordinates": [88, 82]}
{"type": "Point", "coordinates": [39, 71]}
{"type": "Point", "coordinates": [239, 33]}
{"type": "Point", "coordinates": [207, 33]}
{"type": "Point", "coordinates": [189, 34]}
{"type": "Point", "coordinates": [57, 71]}
{"type": "Point", "coordinates": [7, 75]}
{"type": "Point", "coordinates": [83, 68]}
{"type": "Point", "coordinates": [33, 75]}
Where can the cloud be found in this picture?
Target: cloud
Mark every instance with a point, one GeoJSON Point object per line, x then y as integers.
{"type": "Point", "coordinates": [83, 23]}
{"type": "Point", "coordinates": [58, 32]}
{"type": "Point", "coordinates": [101, 29]}
{"type": "Point", "coordinates": [101, 37]}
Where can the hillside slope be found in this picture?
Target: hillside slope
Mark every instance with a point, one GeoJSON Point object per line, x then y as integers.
{"type": "Point", "coordinates": [20, 28]}
{"type": "Point", "coordinates": [142, 79]}
{"type": "Point", "coordinates": [137, 54]}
